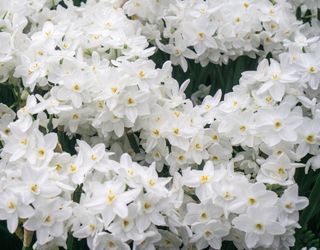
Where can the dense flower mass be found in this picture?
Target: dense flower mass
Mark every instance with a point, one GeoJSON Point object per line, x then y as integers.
{"type": "Point", "coordinates": [152, 169]}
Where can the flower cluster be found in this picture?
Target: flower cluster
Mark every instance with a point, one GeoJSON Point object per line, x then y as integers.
{"type": "Point", "coordinates": [196, 174]}
{"type": "Point", "coordinates": [216, 31]}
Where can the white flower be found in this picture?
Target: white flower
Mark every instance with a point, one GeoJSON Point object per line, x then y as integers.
{"type": "Point", "coordinates": [278, 170]}
{"type": "Point", "coordinates": [260, 225]}
{"type": "Point", "coordinates": [111, 199]}
{"type": "Point", "coordinates": [36, 184]}
{"type": "Point", "coordinates": [202, 180]}
{"type": "Point", "coordinates": [12, 208]}
{"type": "Point", "coordinates": [278, 124]}
{"type": "Point", "coordinates": [105, 241]}
{"type": "Point", "coordinates": [152, 183]}
{"type": "Point", "coordinates": [49, 218]}
{"type": "Point", "coordinates": [210, 233]}
{"type": "Point", "coordinates": [291, 202]}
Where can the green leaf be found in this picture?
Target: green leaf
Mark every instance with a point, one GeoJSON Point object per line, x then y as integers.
{"type": "Point", "coordinates": [228, 245]}
{"type": "Point", "coordinates": [314, 204]}
{"type": "Point", "coordinates": [6, 94]}
{"type": "Point", "coordinates": [133, 142]}
{"type": "Point", "coordinates": [68, 145]}
{"type": "Point", "coordinates": [78, 2]}
{"type": "Point", "coordinates": [8, 240]}
{"type": "Point", "coordinates": [77, 194]}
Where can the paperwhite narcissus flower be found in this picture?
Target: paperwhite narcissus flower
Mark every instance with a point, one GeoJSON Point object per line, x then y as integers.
{"type": "Point", "coordinates": [111, 199]}
{"type": "Point", "coordinates": [202, 213]}
{"type": "Point", "coordinates": [49, 219]}
{"type": "Point", "coordinates": [149, 211]}
{"type": "Point", "coordinates": [125, 228]}
{"type": "Point", "coordinates": [310, 70]}
{"type": "Point", "coordinates": [105, 241]}
{"type": "Point", "coordinates": [278, 170]}
{"type": "Point", "coordinates": [210, 233]}
{"type": "Point", "coordinates": [36, 184]}
{"type": "Point", "coordinates": [291, 202]}
{"type": "Point", "coordinates": [168, 241]}
{"type": "Point", "coordinates": [278, 124]}
{"type": "Point", "coordinates": [202, 180]}
{"type": "Point", "coordinates": [154, 184]}
{"type": "Point", "coordinates": [85, 223]}
{"type": "Point", "coordinates": [12, 208]}
{"type": "Point", "coordinates": [276, 80]}
{"type": "Point", "coordinates": [309, 137]}
{"type": "Point", "coordinates": [260, 225]}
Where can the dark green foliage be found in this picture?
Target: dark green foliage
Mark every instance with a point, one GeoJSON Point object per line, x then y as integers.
{"type": "Point", "coordinates": [307, 238]}
{"type": "Point", "coordinates": [6, 95]}
{"type": "Point", "coordinates": [8, 241]}
{"type": "Point", "coordinates": [67, 143]}
{"type": "Point", "coordinates": [222, 77]}
{"type": "Point", "coordinates": [78, 2]}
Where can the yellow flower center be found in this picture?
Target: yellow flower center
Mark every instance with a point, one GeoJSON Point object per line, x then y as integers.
{"type": "Point", "coordinates": [176, 131]}
{"type": "Point", "coordinates": [58, 167]}
{"type": "Point", "coordinates": [125, 223]}
{"type": "Point", "coordinates": [252, 201]}
{"type": "Point", "coordinates": [110, 197]}
{"type": "Point", "coordinates": [235, 104]}
{"type": "Point", "coordinates": [277, 124]}
{"type": "Point", "coordinates": [215, 137]}
{"type": "Point", "coordinates": [181, 157]}
{"type": "Point", "coordinates": [146, 205]}
{"type": "Point", "coordinates": [208, 234]}
{"type": "Point", "coordinates": [204, 216]}
{"type": "Point", "coordinates": [227, 195]}
{"type": "Point", "coordinates": [24, 141]}
{"type": "Point", "coordinates": [259, 226]}
{"type": "Point", "coordinates": [7, 131]}
{"type": "Point", "coordinates": [167, 242]}
{"type": "Point", "coordinates": [242, 128]}
{"type": "Point", "coordinates": [92, 227]}
{"type": "Point", "coordinates": [75, 116]}
{"type": "Point", "coordinates": [34, 188]}
{"type": "Point", "coordinates": [268, 99]}
{"type": "Point", "coordinates": [198, 146]}
{"type": "Point", "coordinates": [310, 139]}
{"type": "Point", "coordinates": [204, 179]}
{"type": "Point", "coordinates": [11, 205]}
{"type": "Point", "coordinates": [76, 87]}
{"type": "Point", "coordinates": [114, 90]}
{"type": "Point", "coordinates": [201, 35]}
{"type": "Point", "coordinates": [281, 171]}
{"type": "Point", "coordinates": [111, 244]}
{"type": "Point", "coordinates": [215, 158]}
{"type": "Point", "coordinates": [156, 132]}
{"type": "Point", "coordinates": [48, 219]}
{"type": "Point", "coordinates": [312, 69]}
{"type": "Point", "coordinates": [101, 104]}
{"type": "Point", "coordinates": [73, 168]}
{"type": "Point", "coordinates": [141, 74]}
{"type": "Point", "coordinates": [151, 182]}
{"type": "Point", "coordinates": [41, 152]}
{"type": "Point", "coordinates": [275, 77]}
{"type": "Point", "coordinates": [130, 101]}
{"type": "Point", "coordinates": [130, 171]}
